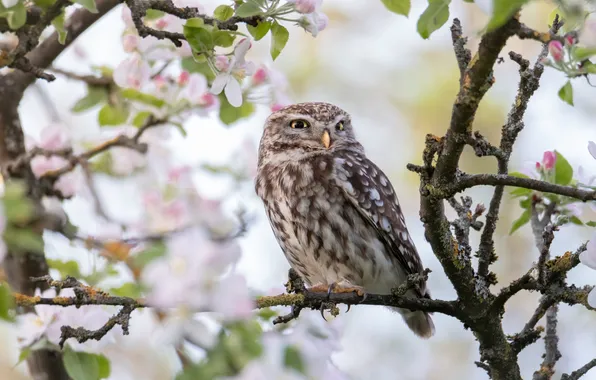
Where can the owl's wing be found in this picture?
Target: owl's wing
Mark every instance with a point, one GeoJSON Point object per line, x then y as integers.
{"type": "Point", "coordinates": [371, 193]}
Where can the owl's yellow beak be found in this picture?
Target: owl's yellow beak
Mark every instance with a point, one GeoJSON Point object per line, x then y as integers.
{"type": "Point", "coordinates": [326, 139]}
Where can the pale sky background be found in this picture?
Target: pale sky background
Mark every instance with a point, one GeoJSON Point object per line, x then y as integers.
{"type": "Point", "coordinates": [397, 88]}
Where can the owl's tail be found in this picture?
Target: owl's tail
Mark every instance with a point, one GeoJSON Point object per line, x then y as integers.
{"type": "Point", "coordinates": [419, 322]}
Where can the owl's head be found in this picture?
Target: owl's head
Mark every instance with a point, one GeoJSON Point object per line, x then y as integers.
{"type": "Point", "coordinates": [305, 128]}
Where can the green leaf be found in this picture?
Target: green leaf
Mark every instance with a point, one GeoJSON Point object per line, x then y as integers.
{"type": "Point", "coordinates": [566, 93]}
{"type": "Point", "coordinates": [266, 314]}
{"type": "Point", "coordinates": [591, 223]}
{"type": "Point", "coordinates": [199, 38]}
{"type": "Point", "coordinates": [154, 14]}
{"type": "Point", "coordinates": [193, 66]}
{"type": "Point", "coordinates": [433, 17]}
{"type": "Point", "coordinates": [520, 192]}
{"type": "Point", "coordinates": [223, 38]}
{"type": "Point", "coordinates": [293, 359]}
{"type": "Point", "coordinates": [575, 220]}
{"type": "Point", "coordinates": [154, 251]}
{"type": "Point", "coordinates": [563, 170]}
{"type": "Point", "coordinates": [6, 302]}
{"type": "Point", "coordinates": [401, 7]}
{"type": "Point", "coordinates": [141, 118]}
{"type": "Point", "coordinates": [95, 95]}
{"type": "Point", "coordinates": [141, 97]}
{"type": "Point", "coordinates": [66, 268]}
{"type": "Point", "coordinates": [58, 23]}
{"type": "Point", "coordinates": [129, 289]}
{"type": "Point", "coordinates": [229, 114]}
{"type": "Point", "coordinates": [23, 240]}
{"type": "Point", "coordinates": [18, 208]}
{"type": "Point", "coordinates": [259, 31]}
{"type": "Point", "coordinates": [16, 16]}
{"type": "Point", "coordinates": [88, 4]}
{"type": "Point", "coordinates": [113, 114]}
{"type": "Point", "coordinates": [518, 175]}
{"type": "Point", "coordinates": [196, 22]}
{"type": "Point", "coordinates": [581, 53]}
{"type": "Point", "coordinates": [223, 12]}
{"type": "Point", "coordinates": [502, 11]}
{"type": "Point", "coordinates": [85, 366]}
{"type": "Point", "coordinates": [248, 10]}
{"type": "Point", "coordinates": [523, 219]}
{"type": "Point", "coordinates": [279, 39]}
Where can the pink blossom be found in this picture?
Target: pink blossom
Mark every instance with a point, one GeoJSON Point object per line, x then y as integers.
{"type": "Point", "coordinates": [183, 78]}
{"type": "Point", "coordinates": [555, 49]}
{"type": "Point", "coordinates": [314, 22]}
{"type": "Point", "coordinates": [41, 164]}
{"type": "Point", "coordinates": [259, 76]}
{"type": "Point", "coordinates": [68, 184]}
{"type": "Point", "coordinates": [191, 275]}
{"type": "Point", "coordinates": [229, 79]}
{"type": "Point", "coordinates": [162, 23]}
{"type": "Point", "coordinates": [127, 17]}
{"type": "Point", "coordinates": [570, 39]}
{"type": "Point", "coordinates": [133, 72]}
{"type": "Point", "coordinates": [53, 137]}
{"type": "Point", "coordinates": [276, 107]}
{"type": "Point", "coordinates": [125, 161]}
{"type": "Point", "coordinates": [588, 32]}
{"type": "Point", "coordinates": [222, 63]}
{"type": "Point", "coordinates": [195, 88]}
{"type": "Point", "coordinates": [306, 6]}
{"type": "Point", "coordinates": [548, 160]}
{"type": "Point", "coordinates": [130, 42]}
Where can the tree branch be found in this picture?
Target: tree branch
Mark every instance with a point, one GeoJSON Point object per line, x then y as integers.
{"type": "Point", "coordinates": [580, 372]}
{"type": "Point", "coordinates": [466, 181]}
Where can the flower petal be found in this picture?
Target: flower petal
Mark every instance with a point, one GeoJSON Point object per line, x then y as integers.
{"type": "Point", "coordinates": [592, 298]}
{"type": "Point", "coordinates": [234, 93]}
{"type": "Point", "coordinates": [220, 81]}
{"type": "Point", "coordinates": [588, 257]}
{"type": "Point", "coordinates": [592, 148]}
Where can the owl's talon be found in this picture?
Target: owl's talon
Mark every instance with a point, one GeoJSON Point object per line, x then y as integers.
{"type": "Point", "coordinates": [322, 309]}
{"type": "Point", "coordinates": [348, 308]}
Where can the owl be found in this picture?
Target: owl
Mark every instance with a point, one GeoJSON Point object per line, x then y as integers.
{"type": "Point", "coordinates": [333, 212]}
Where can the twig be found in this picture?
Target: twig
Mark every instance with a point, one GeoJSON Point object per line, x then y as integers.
{"type": "Point", "coordinates": [89, 79]}
{"type": "Point", "coordinates": [580, 372]}
{"type": "Point", "coordinates": [139, 9]}
{"type": "Point", "coordinates": [551, 343]}
{"type": "Point", "coordinates": [529, 83]}
{"type": "Point", "coordinates": [462, 55]}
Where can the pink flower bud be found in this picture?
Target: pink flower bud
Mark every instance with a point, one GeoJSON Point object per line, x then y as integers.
{"type": "Point", "coordinates": [162, 23]}
{"type": "Point", "coordinates": [159, 81]}
{"type": "Point", "coordinates": [570, 39]}
{"type": "Point", "coordinates": [555, 49]}
{"type": "Point", "coordinates": [130, 42]}
{"type": "Point", "coordinates": [538, 166]}
{"type": "Point", "coordinates": [305, 6]}
{"type": "Point", "coordinates": [260, 76]}
{"type": "Point", "coordinates": [548, 160]}
{"type": "Point", "coordinates": [276, 107]}
{"type": "Point", "coordinates": [183, 78]}
{"type": "Point", "coordinates": [207, 100]}
{"type": "Point", "coordinates": [222, 63]}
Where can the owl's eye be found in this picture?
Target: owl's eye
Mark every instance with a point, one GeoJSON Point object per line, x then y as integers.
{"type": "Point", "coordinates": [299, 124]}
{"type": "Point", "coordinates": [339, 126]}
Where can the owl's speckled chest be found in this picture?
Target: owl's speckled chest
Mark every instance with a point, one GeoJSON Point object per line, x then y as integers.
{"type": "Point", "coordinates": [322, 235]}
